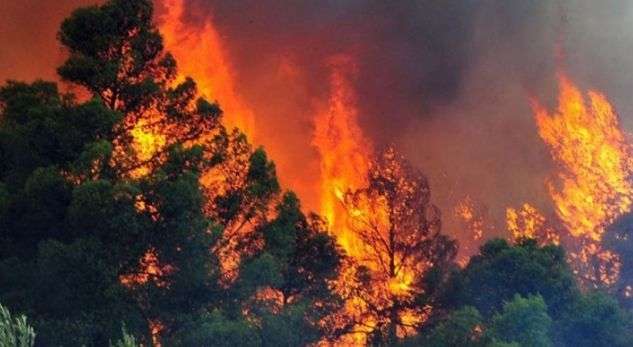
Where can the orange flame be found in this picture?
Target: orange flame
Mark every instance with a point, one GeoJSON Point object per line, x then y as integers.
{"type": "Point", "coordinates": [587, 142]}
{"type": "Point", "coordinates": [345, 163]}
{"type": "Point", "coordinates": [344, 152]}
{"type": "Point", "coordinates": [201, 55]}
{"type": "Point", "coordinates": [585, 139]}
{"type": "Point", "coordinates": [149, 269]}
{"type": "Point", "coordinates": [528, 222]}
{"type": "Point", "coordinates": [472, 218]}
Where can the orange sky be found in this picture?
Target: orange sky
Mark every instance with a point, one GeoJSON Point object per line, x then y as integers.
{"type": "Point", "coordinates": [28, 44]}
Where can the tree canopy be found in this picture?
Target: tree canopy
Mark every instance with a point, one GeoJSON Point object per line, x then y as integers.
{"type": "Point", "coordinates": [133, 216]}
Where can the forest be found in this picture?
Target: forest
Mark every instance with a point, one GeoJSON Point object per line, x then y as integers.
{"type": "Point", "coordinates": [132, 214]}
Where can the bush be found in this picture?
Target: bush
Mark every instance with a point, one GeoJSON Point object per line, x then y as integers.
{"type": "Point", "coordinates": [15, 332]}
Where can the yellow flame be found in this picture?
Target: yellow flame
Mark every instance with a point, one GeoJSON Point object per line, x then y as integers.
{"type": "Point", "coordinates": [344, 153]}
{"type": "Point", "coordinates": [585, 139]}
{"type": "Point", "coordinates": [201, 55]}
{"type": "Point", "coordinates": [528, 222]}
{"type": "Point", "coordinates": [345, 163]}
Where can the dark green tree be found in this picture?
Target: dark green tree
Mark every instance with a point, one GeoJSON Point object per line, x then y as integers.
{"type": "Point", "coordinates": [290, 278]}
{"type": "Point", "coordinates": [117, 54]}
{"type": "Point", "coordinates": [619, 239]}
{"type": "Point", "coordinates": [523, 321]}
{"type": "Point", "coordinates": [85, 236]}
{"type": "Point", "coordinates": [463, 327]}
{"type": "Point", "coordinates": [215, 329]}
{"type": "Point", "coordinates": [43, 136]}
{"type": "Point", "coordinates": [96, 228]}
{"type": "Point", "coordinates": [595, 319]}
{"type": "Point", "coordinates": [502, 270]}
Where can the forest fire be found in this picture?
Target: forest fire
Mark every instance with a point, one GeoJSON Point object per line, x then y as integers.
{"type": "Point", "coordinates": [262, 175]}
{"type": "Point", "coordinates": [200, 54]}
{"type": "Point", "coordinates": [586, 140]}
{"type": "Point", "coordinates": [345, 154]}
{"type": "Point", "coordinates": [528, 222]}
{"type": "Point", "coordinates": [364, 198]}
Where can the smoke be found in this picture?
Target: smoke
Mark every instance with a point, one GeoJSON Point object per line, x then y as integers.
{"type": "Point", "coordinates": [448, 82]}
{"type": "Point", "coordinates": [28, 37]}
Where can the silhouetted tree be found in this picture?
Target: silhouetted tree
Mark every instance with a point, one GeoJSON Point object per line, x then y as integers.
{"type": "Point", "coordinates": [463, 327]}
{"type": "Point", "coordinates": [94, 227]}
{"type": "Point", "coordinates": [290, 278]}
{"type": "Point", "coordinates": [502, 270]}
{"type": "Point", "coordinates": [117, 54]}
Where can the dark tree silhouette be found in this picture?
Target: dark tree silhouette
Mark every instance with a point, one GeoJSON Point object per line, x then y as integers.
{"type": "Point", "coordinates": [116, 53]}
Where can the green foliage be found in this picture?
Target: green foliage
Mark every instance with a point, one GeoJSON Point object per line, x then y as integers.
{"type": "Point", "coordinates": [214, 329]}
{"type": "Point", "coordinates": [289, 327]}
{"type": "Point", "coordinates": [76, 285]}
{"type": "Point", "coordinates": [250, 198]}
{"type": "Point", "coordinates": [117, 54]}
{"type": "Point", "coordinates": [15, 331]}
{"type": "Point", "coordinates": [618, 238]}
{"type": "Point", "coordinates": [524, 321]}
{"type": "Point", "coordinates": [78, 224]}
{"type": "Point", "coordinates": [462, 328]}
{"type": "Point", "coordinates": [297, 262]}
{"type": "Point", "coordinates": [536, 277]}
{"type": "Point", "coordinates": [126, 340]}
{"type": "Point", "coordinates": [41, 128]}
{"type": "Point", "coordinates": [87, 243]}
{"type": "Point", "coordinates": [42, 135]}
{"type": "Point", "coordinates": [4, 201]}
{"type": "Point", "coordinates": [502, 344]}
{"type": "Point", "coordinates": [502, 270]}
{"type": "Point", "coordinates": [595, 319]}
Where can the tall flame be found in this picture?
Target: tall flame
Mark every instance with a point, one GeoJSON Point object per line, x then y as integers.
{"type": "Point", "coordinates": [587, 142]}
{"type": "Point", "coordinates": [585, 139]}
{"type": "Point", "coordinates": [345, 163]}
{"type": "Point", "coordinates": [201, 55]}
{"type": "Point", "coordinates": [344, 152]}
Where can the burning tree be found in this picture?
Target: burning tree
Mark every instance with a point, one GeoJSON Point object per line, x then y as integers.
{"type": "Point", "coordinates": [586, 141]}
{"type": "Point", "coordinates": [402, 246]}
{"type": "Point", "coordinates": [117, 54]}
{"type": "Point", "coordinates": [103, 216]}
